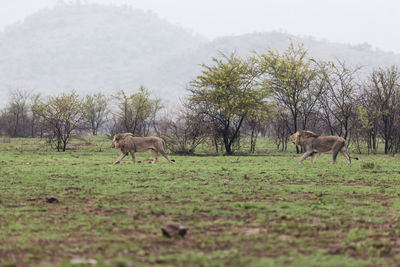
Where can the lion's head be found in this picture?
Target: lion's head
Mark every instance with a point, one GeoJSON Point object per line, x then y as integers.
{"type": "Point", "coordinates": [118, 139]}
{"type": "Point", "coordinates": [300, 136]}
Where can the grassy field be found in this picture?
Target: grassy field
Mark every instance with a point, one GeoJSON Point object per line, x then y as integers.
{"type": "Point", "coordinates": [264, 210]}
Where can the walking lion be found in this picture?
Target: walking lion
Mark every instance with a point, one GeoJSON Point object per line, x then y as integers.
{"type": "Point", "coordinates": [313, 144]}
{"type": "Point", "coordinates": [128, 143]}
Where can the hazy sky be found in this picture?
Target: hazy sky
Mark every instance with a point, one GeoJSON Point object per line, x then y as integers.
{"type": "Point", "coordinates": [346, 21]}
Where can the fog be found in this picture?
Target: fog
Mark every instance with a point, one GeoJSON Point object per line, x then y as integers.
{"type": "Point", "coordinates": [344, 21]}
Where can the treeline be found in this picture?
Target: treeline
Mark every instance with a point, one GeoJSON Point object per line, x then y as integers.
{"type": "Point", "coordinates": [272, 93]}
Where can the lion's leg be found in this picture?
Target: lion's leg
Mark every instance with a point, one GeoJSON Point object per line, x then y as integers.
{"type": "Point", "coordinates": [133, 157]}
{"type": "Point", "coordinates": [337, 147]}
{"type": "Point", "coordinates": [314, 156]}
{"type": "Point", "coordinates": [120, 158]}
{"type": "Point", "coordinates": [334, 156]}
{"type": "Point", "coordinates": [154, 156]}
{"type": "Point", "coordinates": [305, 155]}
{"type": "Point", "coordinates": [165, 156]}
{"type": "Point", "coordinates": [346, 155]}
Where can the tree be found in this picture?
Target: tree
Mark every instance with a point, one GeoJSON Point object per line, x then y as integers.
{"type": "Point", "coordinates": [35, 126]}
{"type": "Point", "coordinates": [137, 112]}
{"type": "Point", "coordinates": [310, 97]}
{"type": "Point", "coordinates": [95, 107]}
{"type": "Point", "coordinates": [226, 92]}
{"type": "Point", "coordinates": [186, 132]}
{"type": "Point", "coordinates": [257, 117]}
{"type": "Point", "coordinates": [280, 128]}
{"type": "Point", "coordinates": [368, 117]}
{"type": "Point", "coordinates": [18, 110]}
{"type": "Point", "coordinates": [290, 77]}
{"type": "Point", "coordinates": [61, 116]}
{"type": "Point", "coordinates": [385, 89]}
{"type": "Point", "coordinates": [338, 101]}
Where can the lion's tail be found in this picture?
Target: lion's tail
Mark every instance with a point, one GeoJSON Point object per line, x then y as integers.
{"type": "Point", "coordinates": [165, 148]}
{"type": "Point", "coordinates": [356, 158]}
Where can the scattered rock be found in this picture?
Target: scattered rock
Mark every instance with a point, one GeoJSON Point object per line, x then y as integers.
{"type": "Point", "coordinates": [52, 200]}
{"type": "Point", "coordinates": [174, 229]}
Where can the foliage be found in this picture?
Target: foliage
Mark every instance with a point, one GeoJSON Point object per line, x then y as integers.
{"type": "Point", "coordinates": [228, 93]}
{"type": "Point", "coordinates": [290, 77]}
{"type": "Point", "coordinates": [235, 97]}
{"type": "Point", "coordinates": [96, 109]}
{"type": "Point", "coordinates": [61, 116]}
{"type": "Point", "coordinates": [137, 112]}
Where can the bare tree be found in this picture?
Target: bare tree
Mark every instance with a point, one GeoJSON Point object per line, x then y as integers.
{"type": "Point", "coordinates": [310, 98]}
{"type": "Point", "coordinates": [18, 109]}
{"type": "Point", "coordinates": [280, 128]}
{"type": "Point", "coordinates": [385, 92]}
{"type": "Point", "coordinates": [185, 133]}
{"type": "Point", "coordinates": [95, 107]}
{"type": "Point", "coordinates": [338, 100]}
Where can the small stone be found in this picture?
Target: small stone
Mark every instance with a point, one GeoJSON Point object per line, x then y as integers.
{"type": "Point", "coordinates": [52, 200]}
{"type": "Point", "coordinates": [174, 229]}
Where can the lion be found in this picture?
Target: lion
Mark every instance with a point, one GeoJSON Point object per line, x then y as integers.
{"type": "Point", "coordinates": [128, 143]}
{"type": "Point", "coordinates": [313, 144]}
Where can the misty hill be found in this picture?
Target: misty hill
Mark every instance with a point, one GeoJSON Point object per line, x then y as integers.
{"type": "Point", "coordinates": [93, 48]}
{"type": "Point", "coordinates": [88, 47]}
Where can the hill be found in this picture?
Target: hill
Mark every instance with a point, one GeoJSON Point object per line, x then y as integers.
{"type": "Point", "coordinates": [93, 48]}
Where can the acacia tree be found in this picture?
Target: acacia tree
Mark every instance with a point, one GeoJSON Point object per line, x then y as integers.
{"type": "Point", "coordinates": [226, 92]}
{"type": "Point", "coordinates": [290, 77]}
{"type": "Point", "coordinates": [95, 107]}
{"type": "Point", "coordinates": [60, 116]}
{"type": "Point", "coordinates": [137, 112]}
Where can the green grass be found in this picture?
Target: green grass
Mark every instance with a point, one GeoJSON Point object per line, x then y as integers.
{"type": "Point", "coordinates": [264, 210]}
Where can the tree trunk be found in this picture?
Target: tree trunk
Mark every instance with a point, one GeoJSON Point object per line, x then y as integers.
{"type": "Point", "coordinates": [386, 134]}
{"type": "Point", "coordinates": [228, 145]}
{"type": "Point", "coordinates": [295, 130]}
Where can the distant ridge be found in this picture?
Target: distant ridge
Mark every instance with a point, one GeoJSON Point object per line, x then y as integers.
{"type": "Point", "coordinates": [93, 48]}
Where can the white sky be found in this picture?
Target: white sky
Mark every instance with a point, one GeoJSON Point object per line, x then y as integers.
{"type": "Point", "coordinates": [347, 21]}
